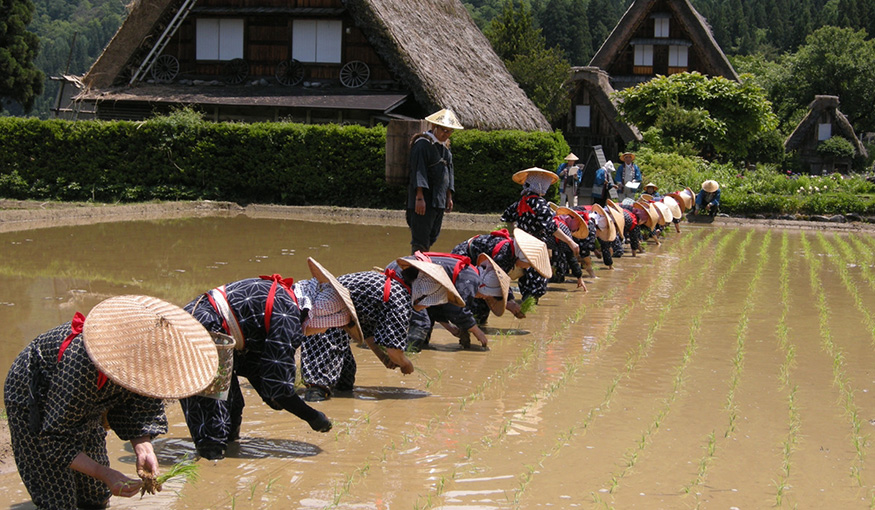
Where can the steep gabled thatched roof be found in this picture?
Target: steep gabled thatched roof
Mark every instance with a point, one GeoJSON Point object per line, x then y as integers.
{"type": "Point", "coordinates": [600, 90]}
{"type": "Point", "coordinates": [821, 105]}
{"type": "Point", "coordinates": [693, 24]}
{"type": "Point", "coordinates": [436, 50]}
{"type": "Point", "coordinates": [432, 47]}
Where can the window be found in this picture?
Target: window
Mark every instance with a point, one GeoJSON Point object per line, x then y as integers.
{"type": "Point", "coordinates": [581, 116]}
{"type": "Point", "coordinates": [218, 39]}
{"type": "Point", "coordinates": [644, 55]}
{"type": "Point", "coordinates": [677, 56]}
{"type": "Point", "coordinates": [660, 27]}
{"type": "Point", "coordinates": [824, 131]}
{"type": "Point", "coordinates": [317, 40]}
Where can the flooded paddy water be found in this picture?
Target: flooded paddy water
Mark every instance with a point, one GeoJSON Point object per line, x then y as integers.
{"type": "Point", "coordinates": [730, 367]}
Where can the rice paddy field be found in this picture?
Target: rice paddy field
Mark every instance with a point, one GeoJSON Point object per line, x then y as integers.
{"type": "Point", "coordinates": [730, 367]}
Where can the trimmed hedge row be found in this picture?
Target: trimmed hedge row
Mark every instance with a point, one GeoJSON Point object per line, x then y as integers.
{"type": "Point", "coordinates": [182, 157]}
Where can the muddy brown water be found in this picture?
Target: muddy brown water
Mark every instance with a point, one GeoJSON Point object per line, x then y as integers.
{"type": "Point", "coordinates": [728, 368]}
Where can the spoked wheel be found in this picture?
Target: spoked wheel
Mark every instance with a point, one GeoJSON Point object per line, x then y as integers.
{"type": "Point", "coordinates": [165, 68]}
{"type": "Point", "coordinates": [354, 74]}
{"type": "Point", "coordinates": [289, 72]}
{"type": "Point", "coordinates": [235, 71]}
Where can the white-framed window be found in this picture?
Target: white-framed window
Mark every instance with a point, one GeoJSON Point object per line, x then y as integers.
{"type": "Point", "coordinates": [218, 39]}
{"type": "Point", "coordinates": [317, 40]}
{"type": "Point", "coordinates": [643, 55]}
{"type": "Point", "coordinates": [660, 27]}
{"type": "Point", "coordinates": [824, 131]}
{"type": "Point", "coordinates": [677, 56]}
{"type": "Point", "coordinates": [581, 116]}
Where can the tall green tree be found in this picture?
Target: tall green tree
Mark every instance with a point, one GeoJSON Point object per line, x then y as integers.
{"type": "Point", "coordinates": [20, 80]}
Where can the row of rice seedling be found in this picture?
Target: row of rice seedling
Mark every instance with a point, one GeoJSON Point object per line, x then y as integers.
{"type": "Point", "coordinates": [840, 378]}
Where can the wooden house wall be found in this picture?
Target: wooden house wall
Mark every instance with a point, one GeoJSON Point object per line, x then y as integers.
{"type": "Point", "coordinates": [601, 129]}
{"type": "Point", "coordinates": [267, 42]}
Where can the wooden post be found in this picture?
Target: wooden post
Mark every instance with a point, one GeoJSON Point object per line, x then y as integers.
{"type": "Point", "coordinates": [398, 135]}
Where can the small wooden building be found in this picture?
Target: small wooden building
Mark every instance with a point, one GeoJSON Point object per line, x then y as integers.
{"type": "Point", "coordinates": [660, 37]}
{"type": "Point", "coordinates": [312, 61]}
{"type": "Point", "coordinates": [594, 119]}
{"type": "Point", "coordinates": [823, 121]}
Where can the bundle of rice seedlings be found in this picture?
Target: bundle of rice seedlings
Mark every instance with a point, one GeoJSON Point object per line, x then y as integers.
{"type": "Point", "coordinates": [152, 484]}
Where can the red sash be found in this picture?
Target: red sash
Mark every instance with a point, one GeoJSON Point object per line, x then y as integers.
{"type": "Point", "coordinates": [462, 261]}
{"type": "Point", "coordinates": [391, 274]}
{"type": "Point", "coordinates": [76, 330]}
{"type": "Point", "coordinates": [277, 280]}
{"type": "Point", "coordinates": [523, 206]}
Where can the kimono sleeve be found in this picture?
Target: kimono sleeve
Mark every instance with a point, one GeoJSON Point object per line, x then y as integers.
{"type": "Point", "coordinates": [136, 416]}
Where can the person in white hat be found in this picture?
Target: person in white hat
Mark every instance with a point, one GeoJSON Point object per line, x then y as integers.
{"type": "Point", "coordinates": [384, 302]}
{"type": "Point", "coordinates": [268, 317]}
{"type": "Point", "coordinates": [708, 199]}
{"type": "Point", "coordinates": [112, 368]}
{"type": "Point", "coordinates": [513, 254]}
{"type": "Point", "coordinates": [432, 182]}
{"type": "Point", "coordinates": [568, 175]}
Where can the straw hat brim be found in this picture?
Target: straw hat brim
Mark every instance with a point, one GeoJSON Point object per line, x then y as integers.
{"type": "Point", "coordinates": [324, 276]}
{"type": "Point", "coordinates": [552, 206]}
{"type": "Point", "coordinates": [497, 305]}
{"type": "Point", "coordinates": [679, 200]}
{"type": "Point", "coordinates": [710, 186]}
{"type": "Point", "coordinates": [674, 206]}
{"type": "Point", "coordinates": [446, 118]}
{"type": "Point", "coordinates": [436, 273]}
{"type": "Point", "coordinates": [623, 155]}
{"type": "Point", "coordinates": [651, 214]}
{"type": "Point", "coordinates": [150, 347]}
{"type": "Point", "coordinates": [582, 231]}
{"type": "Point", "coordinates": [535, 250]}
{"type": "Point", "coordinates": [572, 157]}
{"type": "Point", "coordinates": [608, 234]}
{"type": "Point", "coordinates": [665, 214]}
{"type": "Point", "coordinates": [521, 176]}
{"type": "Point", "coordinates": [646, 196]}
{"type": "Point", "coordinates": [615, 212]}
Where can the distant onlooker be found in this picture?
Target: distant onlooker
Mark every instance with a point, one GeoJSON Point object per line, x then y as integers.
{"type": "Point", "coordinates": [628, 172]}
{"type": "Point", "coordinates": [568, 181]}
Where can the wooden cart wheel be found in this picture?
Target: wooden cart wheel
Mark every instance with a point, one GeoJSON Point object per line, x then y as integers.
{"type": "Point", "coordinates": [165, 68]}
{"type": "Point", "coordinates": [289, 72]}
{"type": "Point", "coordinates": [354, 74]}
{"type": "Point", "coordinates": [235, 71]}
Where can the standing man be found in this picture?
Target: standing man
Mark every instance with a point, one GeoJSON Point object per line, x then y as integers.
{"type": "Point", "coordinates": [628, 172]}
{"type": "Point", "coordinates": [568, 181]}
{"type": "Point", "coordinates": [431, 187]}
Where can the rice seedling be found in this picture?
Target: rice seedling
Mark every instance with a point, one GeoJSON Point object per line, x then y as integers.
{"type": "Point", "coordinates": [185, 469]}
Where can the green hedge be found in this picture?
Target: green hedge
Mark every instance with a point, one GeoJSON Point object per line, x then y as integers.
{"type": "Point", "coordinates": [182, 157]}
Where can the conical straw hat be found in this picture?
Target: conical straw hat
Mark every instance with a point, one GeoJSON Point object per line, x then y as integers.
{"type": "Point", "coordinates": [521, 176]}
{"type": "Point", "coordinates": [323, 275]}
{"type": "Point", "coordinates": [436, 273]}
{"type": "Point", "coordinates": [150, 347]}
{"type": "Point", "coordinates": [619, 220]}
{"type": "Point", "coordinates": [680, 200]}
{"type": "Point", "coordinates": [535, 250]}
{"type": "Point", "coordinates": [647, 197]}
{"type": "Point", "coordinates": [673, 206]}
{"type": "Point", "coordinates": [571, 157]}
{"type": "Point", "coordinates": [610, 232]}
{"type": "Point", "coordinates": [665, 215]}
{"type": "Point", "coordinates": [689, 197]}
{"type": "Point", "coordinates": [710, 186]}
{"type": "Point", "coordinates": [445, 118]}
{"type": "Point", "coordinates": [651, 214]}
{"type": "Point", "coordinates": [497, 305]}
{"type": "Point", "coordinates": [582, 231]}
{"type": "Point", "coordinates": [553, 206]}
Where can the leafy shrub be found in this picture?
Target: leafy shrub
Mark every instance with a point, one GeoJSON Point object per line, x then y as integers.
{"type": "Point", "coordinates": [835, 147]}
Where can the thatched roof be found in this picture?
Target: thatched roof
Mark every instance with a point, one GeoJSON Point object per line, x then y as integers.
{"type": "Point", "coordinates": [600, 89]}
{"type": "Point", "coordinates": [693, 24]}
{"type": "Point", "coordinates": [432, 47]}
{"type": "Point", "coordinates": [821, 105]}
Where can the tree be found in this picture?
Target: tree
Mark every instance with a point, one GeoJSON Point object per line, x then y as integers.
{"type": "Point", "coordinates": [20, 80]}
{"type": "Point", "coordinates": [690, 108]}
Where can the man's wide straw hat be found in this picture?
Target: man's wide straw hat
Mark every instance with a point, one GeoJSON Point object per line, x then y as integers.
{"type": "Point", "coordinates": [436, 273]}
{"type": "Point", "coordinates": [710, 186]}
{"type": "Point", "coordinates": [651, 213]}
{"type": "Point", "coordinates": [445, 118]}
{"type": "Point", "coordinates": [535, 251]}
{"type": "Point", "coordinates": [521, 176]}
{"type": "Point", "coordinates": [150, 347]}
{"type": "Point", "coordinates": [623, 155]}
{"type": "Point", "coordinates": [582, 231]}
{"type": "Point", "coordinates": [324, 276]}
{"type": "Point", "coordinates": [571, 157]}
{"type": "Point", "coordinates": [609, 233]}
{"type": "Point", "coordinates": [497, 305]}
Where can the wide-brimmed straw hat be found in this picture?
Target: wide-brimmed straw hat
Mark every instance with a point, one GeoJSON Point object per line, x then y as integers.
{"type": "Point", "coordinates": [445, 118]}
{"type": "Point", "coordinates": [582, 231]}
{"type": "Point", "coordinates": [710, 186]}
{"type": "Point", "coordinates": [674, 206]}
{"type": "Point", "coordinates": [651, 185]}
{"type": "Point", "coordinates": [624, 154]}
{"type": "Point", "coordinates": [150, 347]}
{"type": "Point", "coordinates": [552, 206]}
{"type": "Point", "coordinates": [679, 199]}
{"type": "Point", "coordinates": [571, 157]}
{"type": "Point", "coordinates": [535, 252]}
{"type": "Point", "coordinates": [434, 272]}
{"type": "Point", "coordinates": [619, 220]}
{"type": "Point", "coordinates": [647, 197]}
{"type": "Point", "coordinates": [521, 176]}
{"type": "Point", "coordinates": [496, 304]}
{"type": "Point", "coordinates": [651, 213]}
{"type": "Point", "coordinates": [609, 233]}
{"type": "Point", "coordinates": [324, 276]}
{"type": "Point", "coordinates": [665, 215]}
